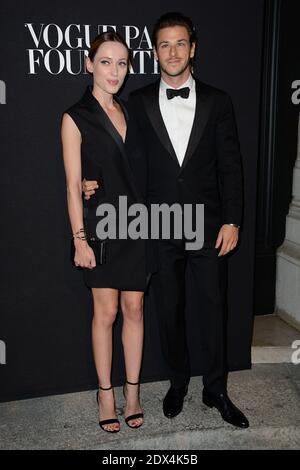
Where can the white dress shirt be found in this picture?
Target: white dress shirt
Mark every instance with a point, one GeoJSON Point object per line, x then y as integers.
{"type": "Point", "coordinates": [178, 115]}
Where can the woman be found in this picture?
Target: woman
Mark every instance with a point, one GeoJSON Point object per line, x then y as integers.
{"type": "Point", "coordinates": [100, 142]}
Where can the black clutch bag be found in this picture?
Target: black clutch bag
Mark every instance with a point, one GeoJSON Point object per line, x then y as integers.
{"type": "Point", "coordinates": [98, 247]}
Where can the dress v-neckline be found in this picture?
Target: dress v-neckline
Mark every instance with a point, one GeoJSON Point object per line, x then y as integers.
{"type": "Point", "coordinates": [109, 121]}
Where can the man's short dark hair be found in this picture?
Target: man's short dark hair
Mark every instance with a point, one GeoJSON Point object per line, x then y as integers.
{"type": "Point", "coordinates": [173, 19]}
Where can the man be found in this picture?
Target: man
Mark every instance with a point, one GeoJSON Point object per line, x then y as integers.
{"type": "Point", "coordinates": [193, 158]}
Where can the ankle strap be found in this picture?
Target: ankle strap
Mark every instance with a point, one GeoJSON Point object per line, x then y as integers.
{"type": "Point", "coordinates": [132, 383]}
{"type": "Point", "coordinates": [102, 388]}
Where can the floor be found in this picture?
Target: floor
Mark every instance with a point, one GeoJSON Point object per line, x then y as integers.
{"type": "Point", "coordinates": [270, 330]}
{"type": "Point", "coordinates": [269, 395]}
{"type": "Point", "coordinates": [274, 341]}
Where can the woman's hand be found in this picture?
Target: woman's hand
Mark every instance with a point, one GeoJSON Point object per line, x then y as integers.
{"type": "Point", "coordinates": [84, 255]}
{"type": "Point", "coordinates": [89, 187]}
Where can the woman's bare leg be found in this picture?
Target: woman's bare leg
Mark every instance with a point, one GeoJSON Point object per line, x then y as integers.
{"type": "Point", "coordinates": [132, 338]}
{"type": "Point", "coordinates": [105, 311]}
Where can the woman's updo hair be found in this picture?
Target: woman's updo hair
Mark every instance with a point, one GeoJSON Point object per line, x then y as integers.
{"type": "Point", "coordinates": [108, 36]}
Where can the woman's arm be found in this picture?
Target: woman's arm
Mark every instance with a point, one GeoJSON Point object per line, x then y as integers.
{"type": "Point", "coordinates": [71, 142]}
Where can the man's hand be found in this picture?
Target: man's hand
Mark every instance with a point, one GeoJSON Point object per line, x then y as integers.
{"type": "Point", "coordinates": [227, 239]}
{"type": "Point", "coordinates": [88, 187]}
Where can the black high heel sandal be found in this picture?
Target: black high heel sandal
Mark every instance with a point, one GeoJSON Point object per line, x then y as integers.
{"type": "Point", "coordinates": [136, 415]}
{"type": "Point", "coordinates": [104, 422]}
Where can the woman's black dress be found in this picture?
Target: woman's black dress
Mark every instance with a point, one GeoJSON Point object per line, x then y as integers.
{"type": "Point", "coordinates": [120, 169]}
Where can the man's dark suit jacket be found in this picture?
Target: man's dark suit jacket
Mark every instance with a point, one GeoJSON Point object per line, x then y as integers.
{"type": "Point", "coordinates": [211, 173]}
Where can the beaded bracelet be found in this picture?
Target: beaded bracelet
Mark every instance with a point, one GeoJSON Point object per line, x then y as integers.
{"type": "Point", "coordinates": [80, 234]}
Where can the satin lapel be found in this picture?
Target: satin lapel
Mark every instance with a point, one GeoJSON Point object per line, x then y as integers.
{"type": "Point", "coordinates": [203, 106]}
{"type": "Point", "coordinates": [104, 120]}
{"type": "Point", "coordinates": [123, 150]}
{"type": "Point", "coordinates": [151, 100]}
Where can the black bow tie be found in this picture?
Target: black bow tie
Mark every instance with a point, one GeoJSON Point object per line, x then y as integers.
{"type": "Point", "coordinates": [183, 92]}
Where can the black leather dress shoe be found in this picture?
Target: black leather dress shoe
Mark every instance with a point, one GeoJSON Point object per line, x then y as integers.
{"type": "Point", "coordinates": [229, 412]}
{"type": "Point", "coordinates": [173, 401]}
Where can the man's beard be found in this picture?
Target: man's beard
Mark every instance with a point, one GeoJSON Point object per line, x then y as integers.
{"type": "Point", "coordinates": [179, 72]}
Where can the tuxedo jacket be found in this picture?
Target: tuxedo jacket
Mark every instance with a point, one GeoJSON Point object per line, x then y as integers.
{"type": "Point", "coordinates": [211, 172]}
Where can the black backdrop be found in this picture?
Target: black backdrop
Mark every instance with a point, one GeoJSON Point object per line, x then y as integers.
{"type": "Point", "coordinates": [45, 308]}
{"type": "Point", "coordinates": [280, 106]}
